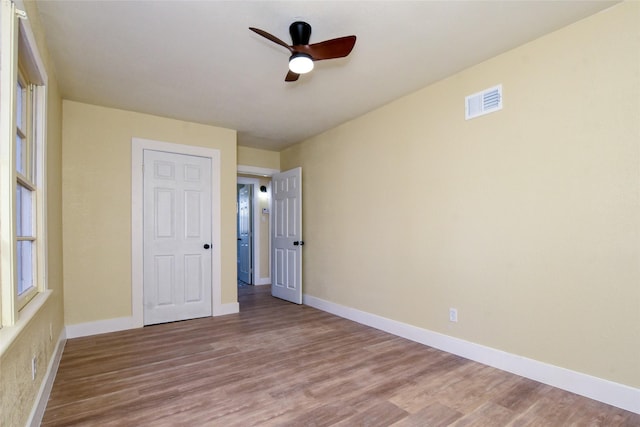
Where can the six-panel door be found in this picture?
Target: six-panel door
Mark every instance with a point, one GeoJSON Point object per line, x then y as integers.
{"type": "Point", "coordinates": [177, 237]}
{"type": "Point", "coordinates": [286, 274]}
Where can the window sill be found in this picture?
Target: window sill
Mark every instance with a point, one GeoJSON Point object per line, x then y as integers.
{"type": "Point", "coordinates": [8, 334]}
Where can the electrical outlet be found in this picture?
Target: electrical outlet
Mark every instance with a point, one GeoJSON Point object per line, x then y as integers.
{"type": "Point", "coordinates": [34, 367]}
{"type": "Point", "coordinates": [453, 315]}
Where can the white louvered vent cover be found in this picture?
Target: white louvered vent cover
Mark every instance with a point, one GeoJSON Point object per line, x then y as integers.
{"type": "Point", "coordinates": [484, 102]}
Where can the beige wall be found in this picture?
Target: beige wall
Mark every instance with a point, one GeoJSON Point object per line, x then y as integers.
{"type": "Point", "coordinates": [97, 204]}
{"type": "Point", "coordinates": [258, 158]}
{"type": "Point", "coordinates": [526, 220]}
{"type": "Point", "coordinates": [17, 390]}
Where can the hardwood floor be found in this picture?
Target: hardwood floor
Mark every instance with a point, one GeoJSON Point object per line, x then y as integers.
{"type": "Point", "coordinates": [277, 363]}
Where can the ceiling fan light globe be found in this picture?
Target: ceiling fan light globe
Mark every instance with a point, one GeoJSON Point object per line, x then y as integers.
{"type": "Point", "coordinates": [300, 63]}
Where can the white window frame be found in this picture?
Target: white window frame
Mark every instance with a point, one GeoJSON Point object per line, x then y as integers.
{"type": "Point", "coordinates": [18, 46]}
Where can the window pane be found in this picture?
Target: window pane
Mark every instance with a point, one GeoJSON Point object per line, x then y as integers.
{"type": "Point", "coordinates": [24, 212]}
{"type": "Point", "coordinates": [20, 105]}
{"type": "Point", "coordinates": [19, 210]}
{"type": "Point", "coordinates": [23, 150]}
{"type": "Point", "coordinates": [21, 153]}
{"type": "Point", "coordinates": [25, 266]}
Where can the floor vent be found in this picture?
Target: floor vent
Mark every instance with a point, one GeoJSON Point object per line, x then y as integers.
{"type": "Point", "coordinates": [484, 102]}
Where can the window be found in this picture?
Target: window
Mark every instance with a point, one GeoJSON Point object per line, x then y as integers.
{"type": "Point", "coordinates": [22, 225]}
{"type": "Point", "coordinates": [25, 193]}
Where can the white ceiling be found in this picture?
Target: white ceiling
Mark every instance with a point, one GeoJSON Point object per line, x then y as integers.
{"type": "Point", "coordinates": [197, 60]}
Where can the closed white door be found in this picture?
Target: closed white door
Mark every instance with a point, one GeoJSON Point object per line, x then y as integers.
{"type": "Point", "coordinates": [177, 237]}
{"type": "Point", "coordinates": [287, 240]}
{"type": "Point", "coordinates": [244, 233]}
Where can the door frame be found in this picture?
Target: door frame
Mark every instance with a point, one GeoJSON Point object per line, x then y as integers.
{"type": "Point", "coordinates": [138, 145]}
{"type": "Point", "coordinates": [265, 173]}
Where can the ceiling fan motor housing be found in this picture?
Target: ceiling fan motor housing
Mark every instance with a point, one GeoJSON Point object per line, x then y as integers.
{"type": "Point", "coordinates": [300, 33]}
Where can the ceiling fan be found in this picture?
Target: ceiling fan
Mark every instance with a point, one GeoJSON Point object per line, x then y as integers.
{"type": "Point", "coordinates": [303, 54]}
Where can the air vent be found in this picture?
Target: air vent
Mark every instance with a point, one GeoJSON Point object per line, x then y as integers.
{"type": "Point", "coordinates": [484, 102]}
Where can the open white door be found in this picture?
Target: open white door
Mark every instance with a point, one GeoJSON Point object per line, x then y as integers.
{"type": "Point", "coordinates": [286, 272]}
{"type": "Point", "coordinates": [177, 237]}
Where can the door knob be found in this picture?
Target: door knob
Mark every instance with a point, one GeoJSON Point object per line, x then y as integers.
{"type": "Point", "coordinates": [207, 246]}
{"type": "Point", "coordinates": [300, 243]}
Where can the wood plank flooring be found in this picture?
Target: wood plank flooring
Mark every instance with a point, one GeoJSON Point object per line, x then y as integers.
{"type": "Point", "coordinates": [279, 364]}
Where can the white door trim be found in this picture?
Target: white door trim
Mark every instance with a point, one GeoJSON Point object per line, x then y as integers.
{"type": "Point", "coordinates": [138, 145]}
{"type": "Point", "coordinates": [256, 170]}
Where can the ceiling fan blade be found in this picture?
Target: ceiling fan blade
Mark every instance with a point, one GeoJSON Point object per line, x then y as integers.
{"type": "Point", "coordinates": [329, 49]}
{"type": "Point", "coordinates": [272, 38]}
{"type": "Point", "coordinates": [291, 76]}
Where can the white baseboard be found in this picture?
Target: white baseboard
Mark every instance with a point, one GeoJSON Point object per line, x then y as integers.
{"type": "Point", "coordinates": [263, 281]}
{"type": "Point", "coordinates": [35, 417]}
{"type": "Point", "coordinates": [609, 392]}
{"type": "Point", "coordinates": [101, 327]}
{"type": "Point", "coordinates": [125, 323]}
{"type": "Point", "coordinates": [224, 309]}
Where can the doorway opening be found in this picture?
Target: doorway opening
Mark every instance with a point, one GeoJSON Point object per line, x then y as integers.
{"type": "Point", "coordinates": [245, 234]}
{"type": "Point", "coordinates": [253, 231]}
